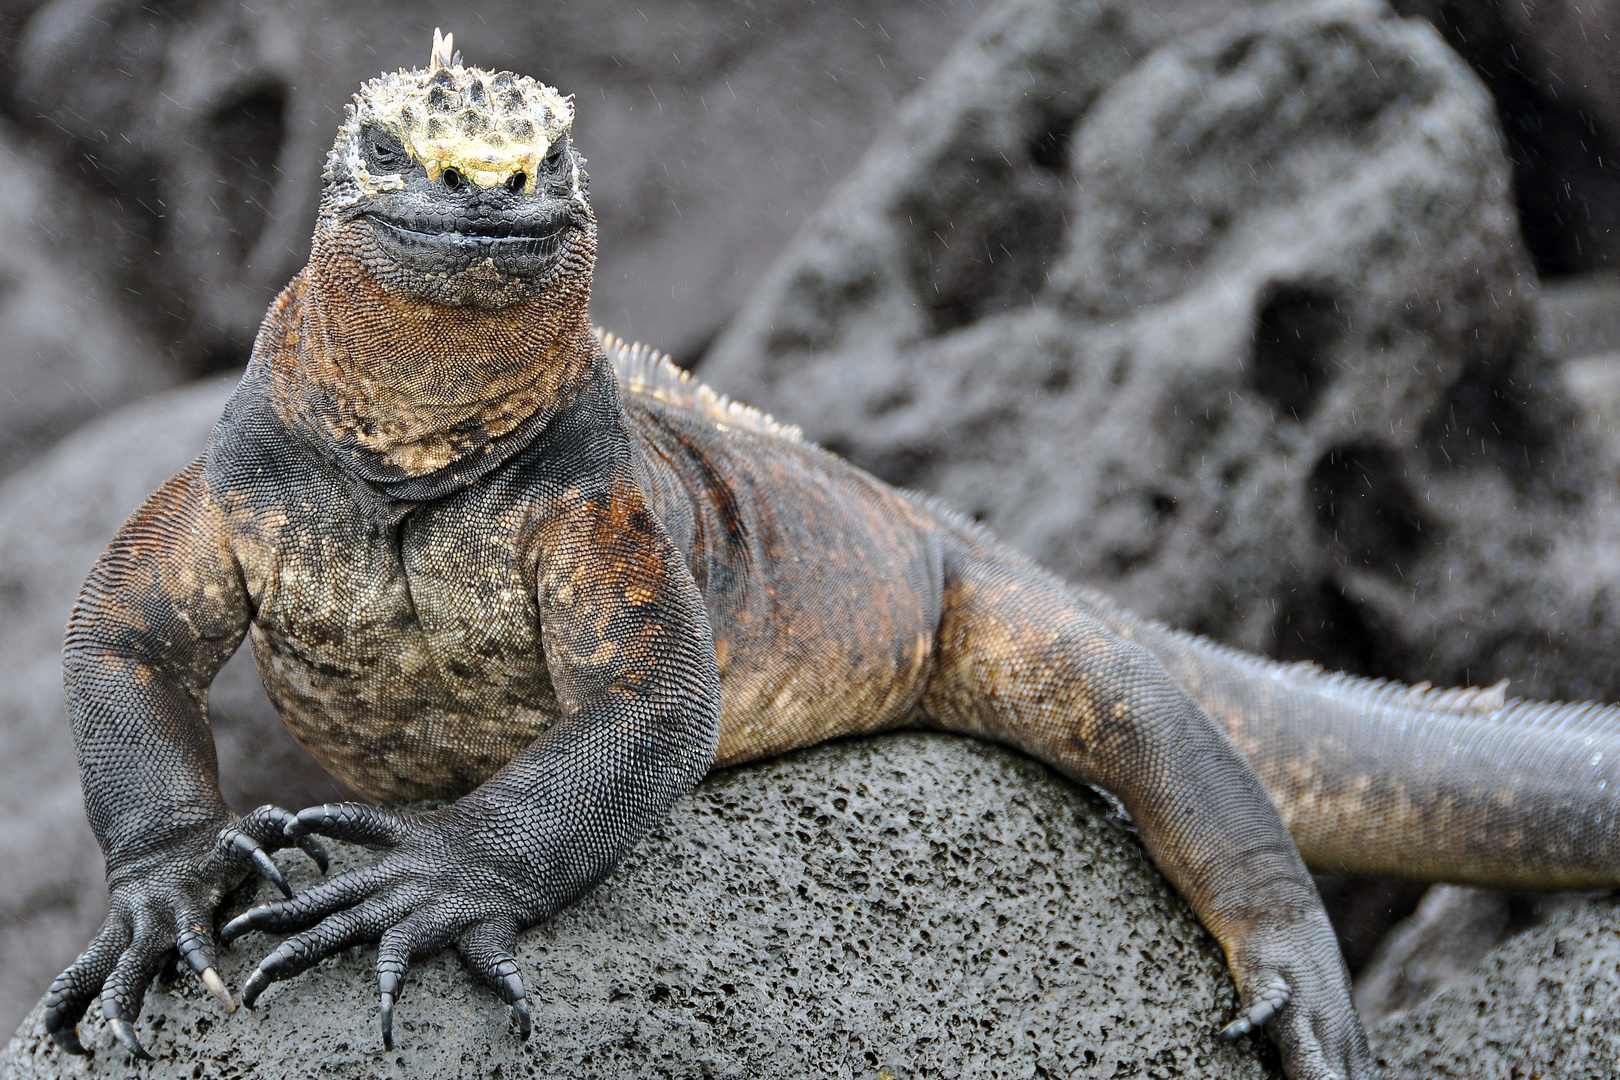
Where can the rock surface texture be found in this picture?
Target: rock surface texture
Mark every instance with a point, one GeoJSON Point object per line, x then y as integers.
{"type": "Point", "coordinates": [1540, 1006]}
{"type": "Point", "coordinates": [69, 353]}
{"type": "Point", "coordinates": [1443, 941]}
{"type": "Point", "coordinates": [913, 906]}
{"type": "Point", "coordinates": [1240, 331]}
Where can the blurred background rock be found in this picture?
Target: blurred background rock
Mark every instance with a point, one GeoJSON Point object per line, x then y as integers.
{"type": "Point", "coordinates": [1296, 324]}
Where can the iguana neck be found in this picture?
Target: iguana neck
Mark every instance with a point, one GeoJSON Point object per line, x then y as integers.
{"type": "Point", "coordinates": [403, 391]}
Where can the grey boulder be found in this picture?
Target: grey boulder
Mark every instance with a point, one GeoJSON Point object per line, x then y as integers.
{"type": "Point", "coordinates": [910, 906]}
{"type": "Point", "coordinates": [1542, 1005]}
{"type": "Point", "coordinates": [1238, 329]}
{"type": "Point", "coordinates": [68, 354]}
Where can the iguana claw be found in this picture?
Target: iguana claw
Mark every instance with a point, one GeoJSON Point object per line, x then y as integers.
{"type": "Point", "coordinates": [216, 986]}
{"type": "Point", "coordinates": [246, 845]}
{"type": "Point", "coordinates": [254, 987]}
{"type": "Point", "coordinates": [389, 976]}
{"type": "Point", "coordinates": [385, 1010]}
{"type": "Point", "coordinates": [125, 1034]}
{"type": "Point", "coordinates": [242, 923]}
{"type": "Point", "coordinates": [68, 1039]}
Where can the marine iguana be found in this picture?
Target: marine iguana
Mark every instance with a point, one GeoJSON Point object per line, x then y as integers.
{"type": "Point", "coordinates": [488, 555]}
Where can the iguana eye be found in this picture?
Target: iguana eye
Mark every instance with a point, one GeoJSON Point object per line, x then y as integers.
{"type": "Point", "coordinates": [555, 154]}
{"type": "Point", "coordinates": [383, 151]}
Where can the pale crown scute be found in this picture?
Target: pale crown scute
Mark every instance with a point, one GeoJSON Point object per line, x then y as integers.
{"type": "Point", "coordinates": [444, 51]}
{"type": "Point", "coordinates": [489, 126]}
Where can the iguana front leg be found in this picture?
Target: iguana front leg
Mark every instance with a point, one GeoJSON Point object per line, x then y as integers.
{"type": "Point", "coordinates": [632, 660]}
{"type": "Point", "coordinates": [161, 612]}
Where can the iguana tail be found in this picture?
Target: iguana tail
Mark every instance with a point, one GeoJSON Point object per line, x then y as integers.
{"type": "Point", "coordinates": [1380, 778]}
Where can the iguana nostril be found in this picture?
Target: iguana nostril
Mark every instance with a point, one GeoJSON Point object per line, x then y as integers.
{"type": "Point", "coordinates": [517, 183]}
{"type": "Point", "coordinates": [452, 178]}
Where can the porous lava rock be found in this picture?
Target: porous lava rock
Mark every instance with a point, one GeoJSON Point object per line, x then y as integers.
{"type": "Point", "coordinates": [911, 906]}
{"type": "Point", "coordinates": [1239, 330]}
{"type": "Point", "coordinates": [1542, 1005]}
{"type": "Point", "coordinates": [1443, 941]}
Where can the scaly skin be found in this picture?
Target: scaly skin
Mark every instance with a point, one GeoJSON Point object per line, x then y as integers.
{"type": "Point", "coordinates": [485, 556]}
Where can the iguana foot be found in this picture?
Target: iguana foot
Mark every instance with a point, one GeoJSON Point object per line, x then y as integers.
{"type": "Point", "coordinates": [163, 901]}
{"type": "Point", "coordinates": [1267, 997]}
{"type": "Point", "coordinates": [433, 888]}
{"type": "Point", "coordinates": [1295, 986]}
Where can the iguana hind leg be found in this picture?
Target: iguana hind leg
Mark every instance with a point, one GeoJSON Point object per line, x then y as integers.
{"type": "Point", "coordinates": [1022, 662]}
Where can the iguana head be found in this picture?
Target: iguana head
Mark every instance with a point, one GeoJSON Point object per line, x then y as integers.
{"type": "Point", "coordinates": [459, 186]}
{"type": "Point", "coordinates": [443, 316]}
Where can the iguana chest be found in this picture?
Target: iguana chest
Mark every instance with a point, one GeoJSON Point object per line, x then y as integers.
{"type": "Point", "coordinates": [404, 655]}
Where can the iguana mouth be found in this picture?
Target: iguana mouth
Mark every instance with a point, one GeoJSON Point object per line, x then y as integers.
{"type": "Point", "coordinates": [520, 245]}
{"type": "Point", "coordinates": [505, 238]}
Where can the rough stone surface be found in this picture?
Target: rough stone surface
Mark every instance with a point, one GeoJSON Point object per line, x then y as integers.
{"type": "Point", "coordinates": [1579, 318]}
{"type": "Point", "coordinates": [55, 519]}
{"type": "Point", "coordinates": [1443, 941]}
{"type": "Point", "coordinates": [1241, 333]}
{"type": "Point", "coordinates": [915, 905]}
{"type": "Point", "coordinates": [1579, 315]}
{"type": "Point", "coordinates": [712, 127]}
{"type": "Point", "coordinates": [69, 354]}
{"type": "Point", "coordinates": [1540, 1006]}
{"type": "Point", "coordinates": [1550, 66]}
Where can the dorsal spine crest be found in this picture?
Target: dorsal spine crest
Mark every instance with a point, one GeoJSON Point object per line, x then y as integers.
{"type": "Point", "coordinates": [645, 371]}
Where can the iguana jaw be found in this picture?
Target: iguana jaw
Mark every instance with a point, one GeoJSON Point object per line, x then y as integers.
{"type": "Point", "coordinates": [522, 246]}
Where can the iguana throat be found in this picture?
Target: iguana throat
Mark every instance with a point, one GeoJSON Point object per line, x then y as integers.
{"type": "Point", "coordinates": [443, 314]}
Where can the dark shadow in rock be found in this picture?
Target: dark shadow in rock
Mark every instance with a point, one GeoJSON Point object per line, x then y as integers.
{"type": "Point", "coordinates": [1361, 498]}
{"type": "Point", "coordinates": [248, 133]}
{"type": "Point", "coordinates": [1364, 909]}
{"type": "Point", "coordinates": [1442, 941]}
{"type": "Point", "coordinates": [1322, 625]}
{"type": "Point", "coordinates": [975, 256]}
{"type": "Point", "coordinates": [1051, 150]}
{"type": "Point", "coordinates": [1491, 417]}
{"type": "Point", "coordinates": [1296, 328]}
